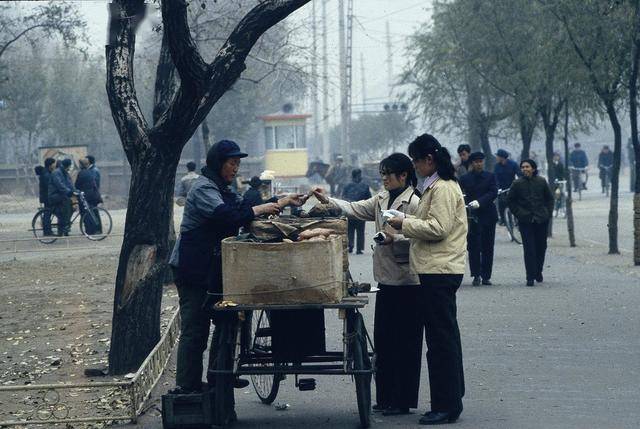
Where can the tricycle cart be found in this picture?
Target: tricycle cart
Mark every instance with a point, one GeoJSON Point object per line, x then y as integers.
{"type": "Point", "coordinates": [247, 344]}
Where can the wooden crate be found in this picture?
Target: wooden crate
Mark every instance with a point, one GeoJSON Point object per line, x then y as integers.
{"type": "Point", "coordinates": [193, 411]}
{"type": "Point", "coordinates": [306, 272]}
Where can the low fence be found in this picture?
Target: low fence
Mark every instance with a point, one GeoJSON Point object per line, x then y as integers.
{"type": "Point", "coordinates": [48, 404]}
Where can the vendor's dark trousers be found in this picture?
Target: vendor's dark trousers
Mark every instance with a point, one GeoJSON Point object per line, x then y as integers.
{"type": "Point", "coordinates": [356, 226]}
{"type": "Point", "coordinates": [195, 325]}
{"type": "Point", "coordinates": [444, 348]}
{"type": "Point", "coordinates": [534, 243]}
{"type": "Point", "coordinates": [397, 334]}
{"type": "Point", "coordinates": [480, 242]}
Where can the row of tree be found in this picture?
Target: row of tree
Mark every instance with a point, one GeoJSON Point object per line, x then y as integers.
{"type": "Point", "coordinates": [518, 66]}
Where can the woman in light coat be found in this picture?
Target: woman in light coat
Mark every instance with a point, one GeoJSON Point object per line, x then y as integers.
{"type": "Point", "coordinates": [438, 234]}
{"type": "Point", "coordinates": [397, 327]}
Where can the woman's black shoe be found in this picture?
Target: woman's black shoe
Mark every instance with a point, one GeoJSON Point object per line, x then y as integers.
{"type": "Point", "coordinates": [529, 282]}
{"type": "Point", "coordinates": [395, 411]}
{"type": "Point", "coordinates": [438, 418]}
{"type": "Point", "coordinates": [378, 408]}
{"type": "Point", "coordinates": [539, 278]}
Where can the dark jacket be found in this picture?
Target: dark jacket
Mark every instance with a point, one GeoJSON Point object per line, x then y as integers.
{"type": "Point", "coordinates": [481, 187]}
{"type": "Point", "coordinates": [60, 186]}
{"type": "Point", "coordinates": [253, 197]}
{"type": "Point", "coordinates": [578, 159]}
{"type": "Point", "coordinates": [556, 172]}
{"type": "Point", "coordinates": [530, 200]}
{"type": "Point", "coordinates": [86, 182]}
{"type": "Point", "coordinates": [43, 182]}
{"type": "Point", "coordinates": [356, 191]}
{"type": "Point", "coordinates": [605, 159]}
{"type": "Point", "coordinates": [96, 174]}
{"type": "Point", "coordinates": [507, 173]}
{"type": "Point", "coordinates": [212, 212]}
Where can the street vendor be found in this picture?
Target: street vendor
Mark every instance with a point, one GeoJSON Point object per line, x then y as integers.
{"type": "Point", "coordinates": [213, 211]}
{"type": "Point", "coordinates": [397, 325]}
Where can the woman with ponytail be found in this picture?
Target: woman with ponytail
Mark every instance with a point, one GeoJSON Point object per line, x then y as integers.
{"type": "Point", "coordinates": [438, 232]}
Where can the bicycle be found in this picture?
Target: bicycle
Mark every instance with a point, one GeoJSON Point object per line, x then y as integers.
{"type": "Point", "coordinates": [511, 223]}
{"type": "Point", "coordinates": [560, 198]}
{"type": "Point", "coordinates": [578, 174]}
{"type": "Point", "coordinates": [97, 217]}
{"type": "Point", "coordinates": [605, 177]}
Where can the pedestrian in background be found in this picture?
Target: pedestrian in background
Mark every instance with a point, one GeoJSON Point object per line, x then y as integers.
{"type": "Point", "coordinates": [462, 166]}
{"type": "Point", "coordinates": [438, 234]}
{"type": "Point", "coordinates": [94, 170]}
{"type": "Point", "coordinates": [356, 191]}
{"type": "Point", "coordinates": [398, 325]}
{"type": "Point", "coordinates": [86, 183]}
{"type": "Point", "coordinates": [506, 171]}
{"type": "Point", "coordinates": [185, 183]}
{"type": "Point", "coordinates": [531, 202]}
{"type": "Point", "coordinates": [44, 178]}
{"type": "Point", "coordinates": [253, 196]}
{"type": "Point", "coordinates": [480, 190]}
{"type": "Point", "coordinates": [59, 195]}
{"type": "Point", "coordinates": [337, 177]}
{"type": "Point", "coordinates": [605, 164]}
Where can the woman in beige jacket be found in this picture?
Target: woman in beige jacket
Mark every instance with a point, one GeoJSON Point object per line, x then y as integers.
{"type": "Point", "coordinates": [398, 325]}
{"type": "Point", "coordinates": [438, 234]}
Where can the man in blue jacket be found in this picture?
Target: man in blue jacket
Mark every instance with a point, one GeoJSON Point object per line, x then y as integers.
{"type": "Point", "coordinates": [480, 190]}
{"type": "Point", "coordinates": [579, 161]}
{"type": "Point", "coordinates": [60, 191]}
{"type": "Point", "coordinates": [506, 171]}
{"type": "Point", "coordinates": [357, 190]}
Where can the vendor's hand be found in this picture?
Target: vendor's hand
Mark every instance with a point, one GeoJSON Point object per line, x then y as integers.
{"type": "Point", "coordinates": [266, 209]}
{"type": "Point", "coordinates": [395, 222]}
{"type": "Point", "coordinates": [293, 200]}
{"type": "Point", "coordinates": [388, 239]}
{"type": "Point", "coordinates": [321, 195]}
{"type": "Point", "coordinates": [474, 204]}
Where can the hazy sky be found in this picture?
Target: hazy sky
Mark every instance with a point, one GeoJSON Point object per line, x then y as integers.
{"type": "Point", "coordinates": [369, 38]}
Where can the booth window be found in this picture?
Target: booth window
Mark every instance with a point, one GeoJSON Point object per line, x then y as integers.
{"type": "Point", "coordinates": [269, 140]}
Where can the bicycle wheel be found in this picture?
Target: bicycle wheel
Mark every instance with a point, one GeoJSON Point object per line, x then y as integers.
{"type": "Point", "coordinates": [360, 360]}
{"type": "Point", "coordinates": [512, 226]}
{"type": "Point", "coordinates": [38, 226]}
{"type": "Point", "coordinates": [96, 224]}
{"type": "Point", "coordinates": [265, 385]}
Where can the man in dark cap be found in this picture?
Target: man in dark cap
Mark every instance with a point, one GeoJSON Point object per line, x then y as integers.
{"type": "Point", "coordinates": [253, 196]}
{"type": "Point", "coordinates": [185, 183]}
{"type": "Point", "coordinates": [213, 211]}
{"type": "Point", "coordinates": [506, 171]}
{"type": "Point", "coordinates": [60, 191]}
{"type": "Point", "coordinates": [480, 191]}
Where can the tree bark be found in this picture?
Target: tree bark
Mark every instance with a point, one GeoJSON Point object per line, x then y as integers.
{"type": "Point", "coordinates": [527, 128]}
{"type": "Point", "coordinates": [633, 117]}
{"type": "Point", "coordinates": [569, 203]}
{"type": "Point", "coordinates": [615, 177]}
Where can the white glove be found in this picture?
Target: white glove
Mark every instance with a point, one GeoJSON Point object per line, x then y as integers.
{"type": "Point", "coordinates": [388, 214]}
{"type": "Point", "coordinates": [474, 204]}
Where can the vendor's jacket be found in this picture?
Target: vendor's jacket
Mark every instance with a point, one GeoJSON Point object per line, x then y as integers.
{"type": "Point", "coordinates": [438, 230]}
{"type": "Point", "coordinates": [213, 211]}
{"type": "Point", "coordinates": [391, 261]}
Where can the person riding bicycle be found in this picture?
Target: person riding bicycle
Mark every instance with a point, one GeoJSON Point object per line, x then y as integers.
{"type": "Point", "coordinates": [556, 171]}
{"type": "Point", "coordinates": [605, 163]}
{"type": "Point", "coordinates": [59, 195]}
{"type": "Point", "coordinates": [579, 161]}
{"type": "Point", "coordinates": [505, 171]}
{"type": "Point", "coordinates": [86, 182]}
{"type": "Point", "coordinates": [480, 191]}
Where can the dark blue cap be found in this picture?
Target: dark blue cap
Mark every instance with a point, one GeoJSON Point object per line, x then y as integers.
{"type": "Point", "coordinates": [222, 151]}
{"type": "Point", "coordinates": [502, 153]}
{"type": "Point", "coordinates": [476, 155]}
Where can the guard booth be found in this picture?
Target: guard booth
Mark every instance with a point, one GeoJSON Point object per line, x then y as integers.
{"type": "Point", "coordinates": [286, 144]}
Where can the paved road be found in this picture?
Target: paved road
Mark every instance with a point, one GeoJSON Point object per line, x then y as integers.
{"type": "Point", "coordinates": [561, 355]}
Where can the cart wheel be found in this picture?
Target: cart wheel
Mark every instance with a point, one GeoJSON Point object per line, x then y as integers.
{"type": "Point", "coordinates": [223, 413]}
{"type": "Point", "coordinates": [266, 385]}
{"type": "Point", "coordinates": [360, 357]}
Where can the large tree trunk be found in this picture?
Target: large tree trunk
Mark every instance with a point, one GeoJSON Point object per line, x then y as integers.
{"type": "Point", "coordinates": [615, 178]}
{"type": "Point", "coordinates": [527, 128]}
{"type": "Point", "coordinates": [634, 164]}
{"type": "Point", "coordinates": [474, 116]}
{"type": "Point", "coordinates": [143, 260]}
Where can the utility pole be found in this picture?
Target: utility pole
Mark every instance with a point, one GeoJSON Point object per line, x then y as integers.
{"type": "Point", "coordinates": [326, 150]}
{"type": "Point", "coordinates": [342, 51]}
{"type": "Point", "coordinates": [389, 60]}
{"type": "Point", "coordinates": [363, 79]}
{"type": "Point", "coordinates": [314, 79]}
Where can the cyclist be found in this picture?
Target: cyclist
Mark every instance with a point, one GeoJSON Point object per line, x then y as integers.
{"type": "Point", "coordinates": [605, 163]}
{"type": "Point", "coordinates": [86, 182]}
{"type": "Point", "coordinates": [480, 190]}
{"type": "Point", "coordinates": [579, 161]}
{"type": "Point", "coordinates": [506, 171]}
{"type": "Point", "coordinates": [59, 194]}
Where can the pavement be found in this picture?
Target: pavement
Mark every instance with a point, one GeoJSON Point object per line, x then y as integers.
{"type": "Point", "coordinates": [563, 354]}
